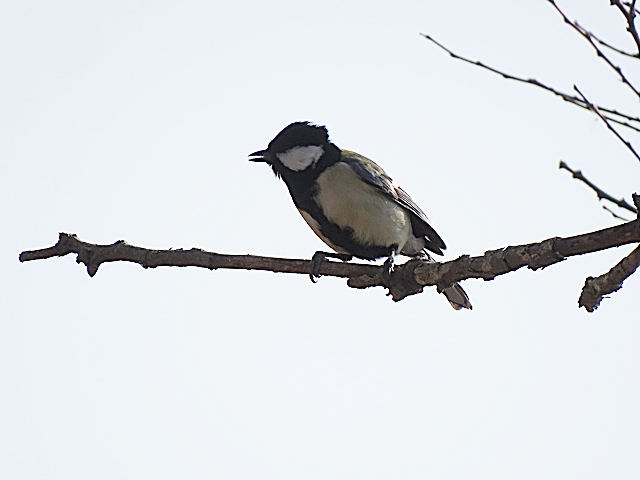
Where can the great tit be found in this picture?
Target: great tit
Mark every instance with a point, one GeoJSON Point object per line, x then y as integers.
{"type": "Point", "coordinates": [350, 202]}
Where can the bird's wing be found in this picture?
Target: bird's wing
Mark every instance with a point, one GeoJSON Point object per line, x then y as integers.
{"type": "Point", "coordinates": [375, 176]}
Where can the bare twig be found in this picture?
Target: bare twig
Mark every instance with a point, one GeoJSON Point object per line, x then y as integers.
{"type": "Point", "coordinates": [630, 15]}
{"type": "Point", "coordinates": [595, 110]}
{"type": "Point", "coordinates": [628, 4]}
{"type": "Point", "coordinates": [614, 214]}
{"type": "Point", "coordinates": [405, 280]}
{"type": "Point", "coordinates": [599, 52]}
{"type": "Point", "coordinates": [623, 119]}
{"type": "Point", "coordinates": [607, 44]}
{"type": "Point", "coordinates": [602, 195]}
{"type": "Point", "coordinates": [595, 289]}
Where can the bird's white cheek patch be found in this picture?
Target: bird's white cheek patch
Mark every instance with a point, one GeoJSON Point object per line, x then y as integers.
{"type": "Point", "coordinates": [301, 158]}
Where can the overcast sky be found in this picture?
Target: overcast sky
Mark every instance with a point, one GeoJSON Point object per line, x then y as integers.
{"type": "Point", "coordinates": [133, 120]}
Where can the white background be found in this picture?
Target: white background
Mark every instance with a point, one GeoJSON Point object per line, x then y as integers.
{"type": "Point", "coordinates": [133, 120]}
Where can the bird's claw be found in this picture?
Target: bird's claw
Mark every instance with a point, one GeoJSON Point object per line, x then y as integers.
{"type": "Point", "coordinates": [316, 263]}
{"type": "Point", "coordinates": [387, 269]}
{"type": "Point", "coordinates": [318, 258]}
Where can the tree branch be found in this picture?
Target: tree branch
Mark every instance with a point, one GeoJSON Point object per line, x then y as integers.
{"type": "Point", "coordinates": [602, 195]}
{"type": "Point", "coordinates": [93, 255]}
{"type": "Point", "coordinates": [595, 289]}
{"type": "Point", "coordinates": [623, 119]}
{"type": "Point", "coordinates": [406, 279]}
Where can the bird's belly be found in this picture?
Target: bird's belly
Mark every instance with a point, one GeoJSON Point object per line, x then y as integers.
{"type": "Point", "coordinates": [348, 202]}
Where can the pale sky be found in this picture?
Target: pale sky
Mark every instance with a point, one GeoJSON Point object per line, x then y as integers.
{"type": "Point", "coordinates": [133, 120]}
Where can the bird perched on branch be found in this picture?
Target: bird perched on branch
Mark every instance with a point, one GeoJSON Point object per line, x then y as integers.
{"type": "Point", "coordinates": [351, 203]}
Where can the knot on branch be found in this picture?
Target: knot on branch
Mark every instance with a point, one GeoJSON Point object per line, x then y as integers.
{"type": "Point", "coordinates": [490, 265]}
{"type": "Point", "coordinates": [400, 284]}
{"type": "Point", "coordinates": [543, 254]}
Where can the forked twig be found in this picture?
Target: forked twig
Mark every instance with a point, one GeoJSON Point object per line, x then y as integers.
{"type": "Point", "coordinates": [595, 110]}
{"type": "Point", "coordinates": [607, 44]}
{"type": "Point", "coordinates": [630, 14]}
{"type": "Point", "coordinates": [623, 119]}
{"type": "Point", "coordinates": [599, 52]}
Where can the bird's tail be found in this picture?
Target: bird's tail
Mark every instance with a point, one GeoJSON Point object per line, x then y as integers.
{"type": "Point", "coordinates": [457, 297]}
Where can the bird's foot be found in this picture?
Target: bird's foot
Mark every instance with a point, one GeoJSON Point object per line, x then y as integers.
{"type": "Point", "coordinates": [387, 269]}
{"type": "Point", "coordinates": [318, 258]}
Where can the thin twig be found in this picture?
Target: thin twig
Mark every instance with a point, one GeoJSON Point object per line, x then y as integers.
{"type": "Point", "coordinates": [595, 289]}
{"type": "Point", "coordinates": [595, 110]}
{"type": "Point", "coordinates": [602, 195]}
{"type": "Point", "coordinates": [614, 214]}
{"type": "Point", "coordinates": [599, 52]}
{"type": "Point", "coordinates": [608, 45]}
{"type": "Point", "coordinates": [630, 15]}
{"type": "Point", "coordinates": [532, 81]}
{"type": "Point", "coordinates": [628, 4]}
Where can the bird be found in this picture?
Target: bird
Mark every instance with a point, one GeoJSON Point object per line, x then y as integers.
{"type": "Point", "coordinates": [351, 203]}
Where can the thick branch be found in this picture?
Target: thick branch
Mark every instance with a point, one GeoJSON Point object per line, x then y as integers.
{"type": "Point", "coordinates": [93, 256]}
{"type": "Point", "coordinates": [612, 115]}
{"type": "Point", "coordinates": [405, 280]}
{"type": "Point", "coordinates": [595, 289]}
{"type": "Point", "coordinates": [602, 195]}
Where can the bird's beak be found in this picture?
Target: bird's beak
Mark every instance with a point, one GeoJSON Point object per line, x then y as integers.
{"type": "Point", "coordinates": [259, 156]}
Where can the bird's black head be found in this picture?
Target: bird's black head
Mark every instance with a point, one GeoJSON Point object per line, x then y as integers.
{"type": "Point", "coordinates": [297, 148]}
{"type": "Point", "coordinates": [299, 134]}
